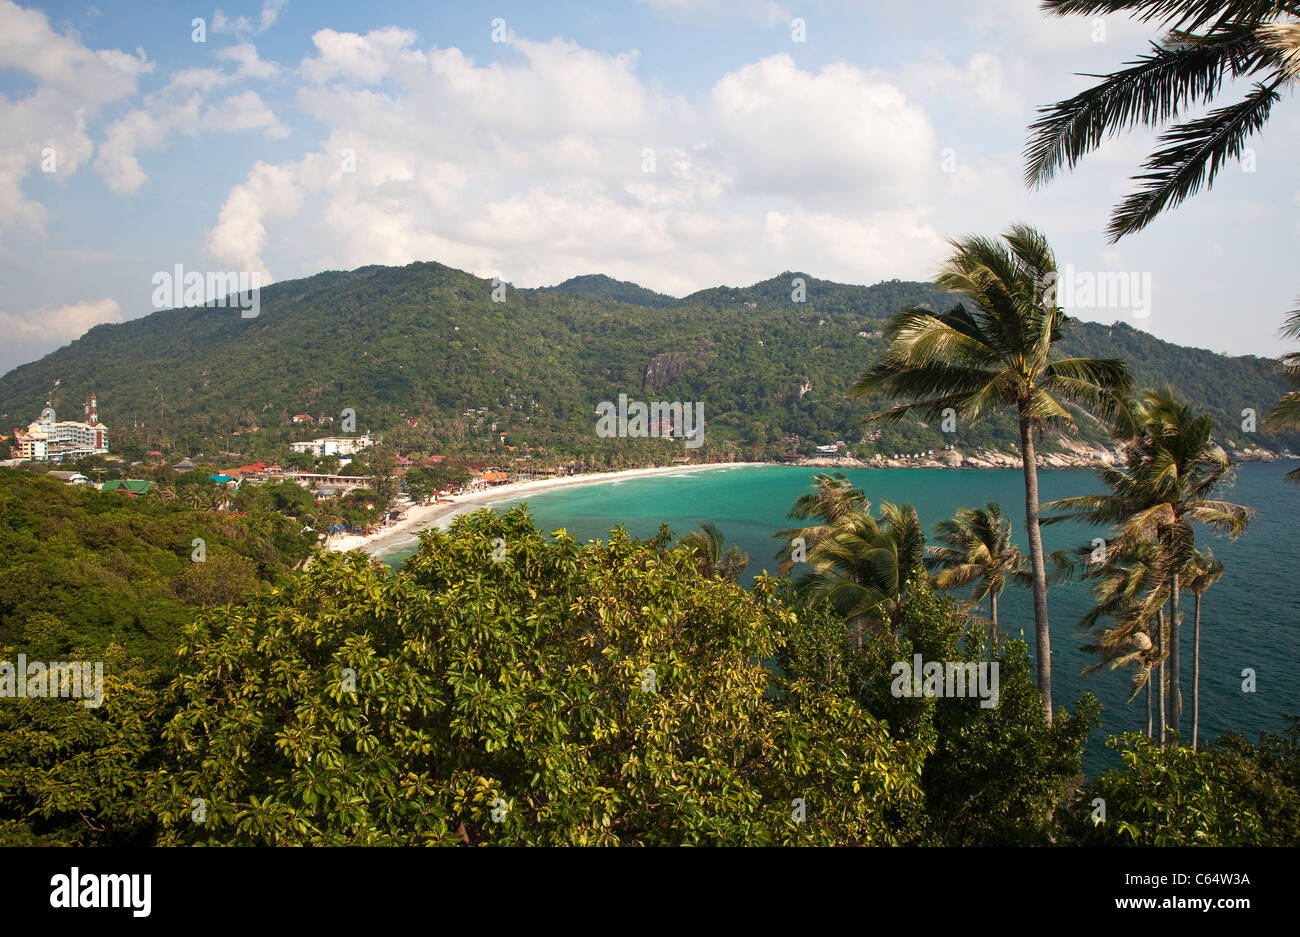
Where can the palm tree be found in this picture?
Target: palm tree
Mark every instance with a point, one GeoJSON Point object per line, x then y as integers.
{"type": "Point", "coordinates": [1119, 583]}
{"type": "Point", "coordinates": [1209, 42]}
{"type": "Point", "coordinates": [997, 353]}
{"type": "Point", "coordinates": [862, 567]}
{"type": "Point", "coordinates": [1172, 467]}
{"type": "Point", "coordinates": [1203, 572]}
{"type": "Point", "coordinates": [832, 500]}
{"type": "Point", "coordinates": [1286, 413]}
{"type": "Point", "coordinates": [706, 543]}
{"type": "Point", "coordinates": [975, 549]}
{"type": "Point", "coordinates": [330, 516]}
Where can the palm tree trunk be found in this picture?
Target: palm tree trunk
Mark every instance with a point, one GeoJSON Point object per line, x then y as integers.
{"type": "Point", "coordinates": [1196, 675]}
{"type": "Point", "coordinates": [1151, 722]}
{"type": "Point", "coordinates": [1042, 637]}
{"type": "Point", "coordinates": [993, 600]}
{"type": "Point", "coordinates": [1175, 686]}
{"type": "Point", "coordinates": [1160, 673]}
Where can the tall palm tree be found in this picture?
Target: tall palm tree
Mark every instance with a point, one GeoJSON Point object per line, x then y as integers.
{"type": "Point", "coordinates": [707, 545]}
{"type": "Point", "coordinates": [1172, 468]}
{"type": "Point", "coordinates": [975, 549]}
{"type": "Point", "coordinates": [1209, 42]}
{"type": "Point", "coordinates": [1203, 572]}
{"type": "Point", "coordinates": [861, 568]}
{"type": "Point", "coordinates": [997, 353]}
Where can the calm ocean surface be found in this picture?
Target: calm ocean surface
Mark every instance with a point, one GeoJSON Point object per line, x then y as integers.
{"type": "Point", "coordinates": [1250, 618]}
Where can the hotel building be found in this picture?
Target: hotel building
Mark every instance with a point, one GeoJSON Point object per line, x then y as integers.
{"type": "Point", "coordinates": [46, 440]}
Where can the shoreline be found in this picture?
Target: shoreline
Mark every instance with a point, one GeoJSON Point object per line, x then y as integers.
{"type": "Point", "coordinates": [420, 517]}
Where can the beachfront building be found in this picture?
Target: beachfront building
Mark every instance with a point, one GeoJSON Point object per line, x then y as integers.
{"type": "Point", "coordinates": [47, 440]}
{"type": "Point", "coordinates": [334, 445]}
{"type": "Point", "coordinates": [69, 478]}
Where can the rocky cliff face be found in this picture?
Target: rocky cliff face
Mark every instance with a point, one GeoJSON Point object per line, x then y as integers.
{"type": "Point", "coordinates": [663, 368]}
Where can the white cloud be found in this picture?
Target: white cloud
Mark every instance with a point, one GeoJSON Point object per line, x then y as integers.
{"type": "Point", "coordinates": [533, 168]}
{"type": "Point", "coordinates": [239, 236]}
{"type": "Point", "coordinates": [363, 59]}
{"type": "Point", "coordinates": [250, 66]}
{"type": "Point", "coordinates": [73, 84]}
{"type": "Point", "coordinates": [246, 111]}
{"type": "Point", "coordinates": [529, 162]}
{"type": "Point", "coordinates": [59, 325]}
{"type": "Point", "coordinates": [179, 108]}
{"type": "Point", "coordinates": [61, 63]}
{"type": "Point", "coordinates": [978, 90]}
{"type": "Point", "coordinates": [839, 134]}
{"type": "Point", "coordinates": [243, 26]}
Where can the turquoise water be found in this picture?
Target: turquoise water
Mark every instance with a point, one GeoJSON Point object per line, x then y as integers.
{"type": "Point", "coordinates": [1249, 618]}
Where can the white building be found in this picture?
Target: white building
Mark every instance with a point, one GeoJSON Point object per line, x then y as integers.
{"type": "Point", "coordinates": [334, 445]}
{"type": "Point", "coordinates": [70, 478]}
{"type": "Point", "coordinates": [48, 440]}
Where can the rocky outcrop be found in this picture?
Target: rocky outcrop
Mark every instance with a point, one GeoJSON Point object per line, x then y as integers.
{"type": "Point", "coordinates": [1255, 454]}
{"type": "Point", "coordinates": [1077, 455]}
{"type": "Point", "coordinates": [663, 368]}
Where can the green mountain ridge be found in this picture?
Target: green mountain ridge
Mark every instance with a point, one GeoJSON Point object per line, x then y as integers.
{"type": "Point", "coordinates": [425, 343]}
{"type": "Point", "coordinates": [599, 285]}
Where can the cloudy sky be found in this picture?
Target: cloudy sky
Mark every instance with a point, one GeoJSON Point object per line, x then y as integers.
{"type": "Point", "coordinates": [680, 144]}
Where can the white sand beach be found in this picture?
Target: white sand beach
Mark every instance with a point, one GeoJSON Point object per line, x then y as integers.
{"type": "Point", "coordinates": [404, 532]}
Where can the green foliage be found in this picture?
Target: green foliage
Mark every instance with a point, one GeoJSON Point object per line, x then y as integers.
{"type": "Point", "coordinates": [113, 569]}
{"type": "Point", "coordinates": [425, 481]}
{"type": "Point", "coordinates": [285, 497]}
{"type": "Point", "coordinates": [1176, 797]}
{"type": "Point", "coordinates": [994, 775]}
{"type": "Point", "coordinates": [595, 694]}
{"type": "Point", "coordinates": [710, 557]}
{"type": "Point", "coordinates": [608, 288]}
{"type": "Point", "coordinates": [75, 775]}
{"type": "Point", "coordinates": [1267, 777]}
{"type": "Point", "coordinates": [861, 566]}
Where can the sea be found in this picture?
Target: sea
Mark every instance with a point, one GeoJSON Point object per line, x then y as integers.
{"type": "Point", "coordinates": [1250, 619]}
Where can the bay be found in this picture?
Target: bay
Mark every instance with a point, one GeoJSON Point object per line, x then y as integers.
{"type": "Point", "coordinates": [1250, 618]}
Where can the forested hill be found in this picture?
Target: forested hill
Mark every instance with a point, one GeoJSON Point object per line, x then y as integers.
{"type": "Point", "coordinates": [599, 286]}
{"type": "Point", "coordinates": [425, 343]}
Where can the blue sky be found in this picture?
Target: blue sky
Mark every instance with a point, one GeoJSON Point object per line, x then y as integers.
{"type": "Point", "coordinates": [851, 154]}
